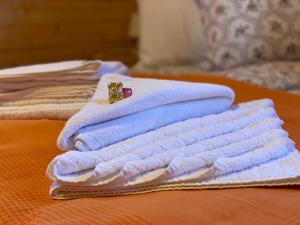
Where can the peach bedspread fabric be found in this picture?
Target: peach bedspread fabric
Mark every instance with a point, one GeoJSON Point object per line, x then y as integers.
{"type": "Point", "coordinates": [26, 148]}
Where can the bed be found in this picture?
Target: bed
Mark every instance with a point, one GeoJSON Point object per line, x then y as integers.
{"type": "Point", "coordinates": [27, 146]}
{"type": "Point", "coordinates": [172, 45]}
{"type": "Point", "coordinates": [279, 75]}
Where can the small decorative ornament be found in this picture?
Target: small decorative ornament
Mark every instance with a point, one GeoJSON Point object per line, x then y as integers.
{"type": "Point", "coordinates": [115, 92]}
{"type": "Point", "coordinates": [127, 92]}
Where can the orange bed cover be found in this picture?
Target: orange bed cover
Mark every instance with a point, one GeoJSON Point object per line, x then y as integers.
{"type": "Point", "coordinates": [26, 148]}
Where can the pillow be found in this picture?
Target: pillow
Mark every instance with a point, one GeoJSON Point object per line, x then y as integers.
{"type": "Point", "coordinates": [169, 32]}
{"type": "Point", "coordinates": [248, 31]}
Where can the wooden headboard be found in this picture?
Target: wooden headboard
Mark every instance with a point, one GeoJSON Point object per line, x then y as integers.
{"type": "Point", "coordinates": [37, 31]}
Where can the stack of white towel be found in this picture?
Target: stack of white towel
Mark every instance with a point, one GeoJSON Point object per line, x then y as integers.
{"type": "Point", "coordinates": [171, 135]}
{"type": "Point", "coordinates": [53, 91]}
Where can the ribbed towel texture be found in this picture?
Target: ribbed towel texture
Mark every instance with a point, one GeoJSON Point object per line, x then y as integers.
{"type": "Point", "coordinates": [154, 103]}
{"type": "Point", "coordinates": [51, 91]}
{"type": "Point", "coordinates": [242, 146]}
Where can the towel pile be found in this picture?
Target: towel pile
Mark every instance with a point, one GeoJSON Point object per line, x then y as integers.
{"type": "Point", "coordinates": [53, 91]}
{"type": "Point", "coordinates": [171, 135]}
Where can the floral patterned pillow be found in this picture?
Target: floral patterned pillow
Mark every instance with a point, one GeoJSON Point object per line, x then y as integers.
{"type": "Point", "coordinates": [248, 31]}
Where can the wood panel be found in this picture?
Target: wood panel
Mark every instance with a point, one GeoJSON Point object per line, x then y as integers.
{"type": "Point", "coordinates": [36, 31]}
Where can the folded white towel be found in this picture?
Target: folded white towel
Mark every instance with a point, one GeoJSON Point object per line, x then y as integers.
{"type": "Point", "coordinates": [243, 146]}
{"type": "Point", "coordinates": [154, 103]}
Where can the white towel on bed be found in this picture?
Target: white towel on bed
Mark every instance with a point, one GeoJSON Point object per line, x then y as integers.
{"type": "Point", "coordinates": [154, 103]}
{"type": "Point", "coordinates": [243, 146]}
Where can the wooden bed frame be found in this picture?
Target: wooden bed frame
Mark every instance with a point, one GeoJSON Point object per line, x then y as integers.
{"type": "Point", "coordinates": [34, 31]}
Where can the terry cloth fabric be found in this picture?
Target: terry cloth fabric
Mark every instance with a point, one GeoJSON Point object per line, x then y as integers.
{"type": "Point", "coordinates": [154, 103]}
{"type": "Point", "coordinates": [243, 146]}
{"type": "Point", "coordinates": [51, 91]}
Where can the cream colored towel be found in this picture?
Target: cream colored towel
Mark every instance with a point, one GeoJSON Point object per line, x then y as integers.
{"type": "Point", "coordinates": [51, 91]}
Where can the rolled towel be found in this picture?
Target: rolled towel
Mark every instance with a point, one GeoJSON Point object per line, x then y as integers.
{"type": "Point", "coordinates": [243, 146]}
{"type": "Point", "coordinates": [154, 103]}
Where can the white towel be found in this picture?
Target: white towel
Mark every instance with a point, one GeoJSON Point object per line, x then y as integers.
{"type": "Point", "coordinates": [154, 103]}
{"type": "Point", "coordinates": [243, 146]}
